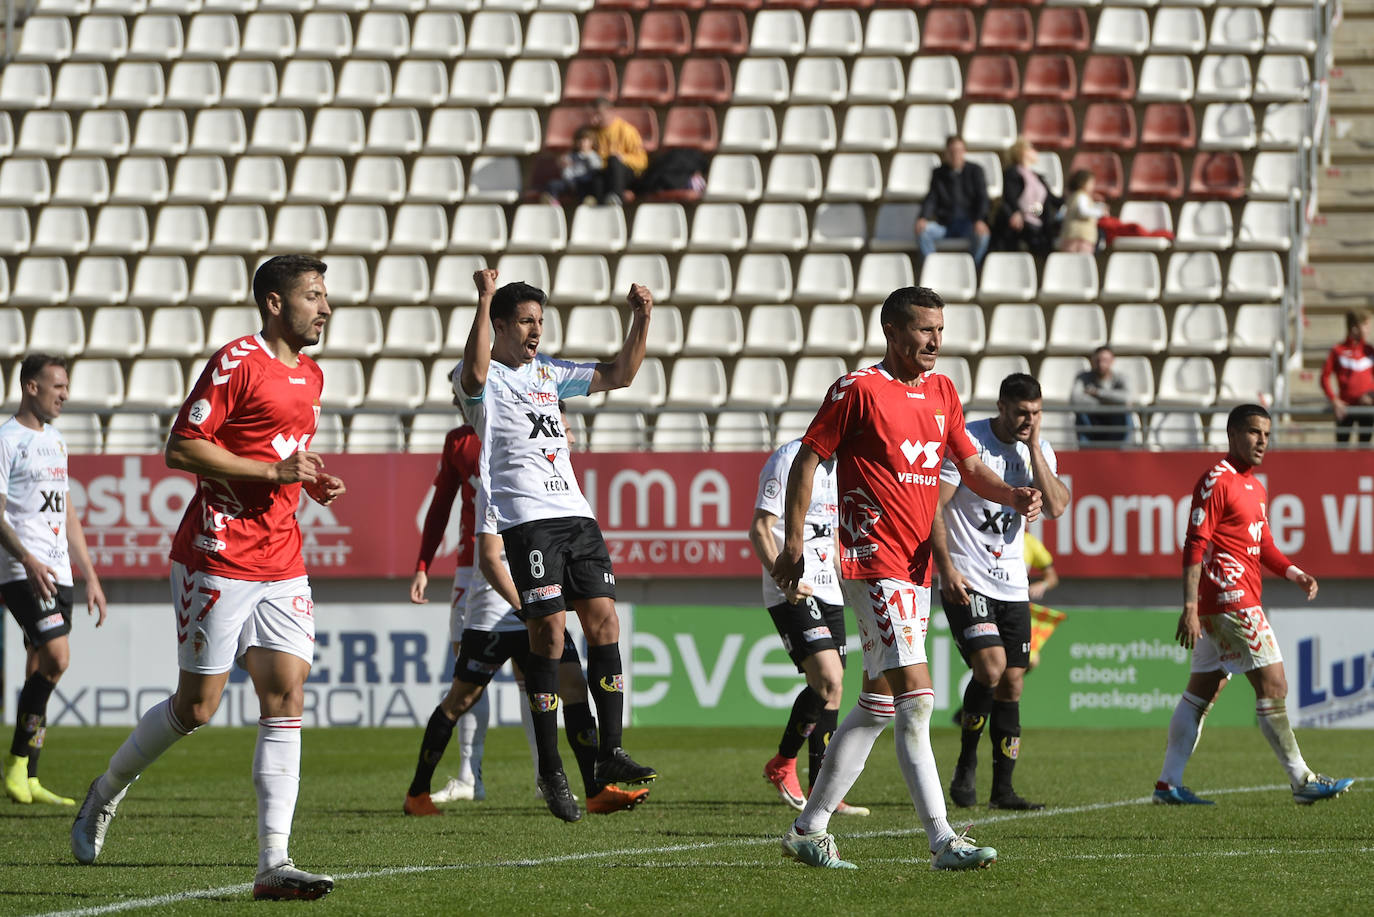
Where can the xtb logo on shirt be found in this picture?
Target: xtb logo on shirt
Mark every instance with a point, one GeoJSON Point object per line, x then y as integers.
{"type": "Point", "coordinates": [916, 450]}
{"type": "Point", "coordinates": [997, 523]}
{"type": "Point", "coordinates": [543, 425]}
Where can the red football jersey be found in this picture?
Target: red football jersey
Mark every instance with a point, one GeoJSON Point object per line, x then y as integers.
{"type": "Point", "coordinates": [1228, 532]}
{"type": "Point", "coordinates": [889, 440]}
{"type": "Point", "coordinates": [458, 474]}
{"type": "Point", "coordinates": [250, 403]}
{"type": "Point", "coordinates": [1353, 364]}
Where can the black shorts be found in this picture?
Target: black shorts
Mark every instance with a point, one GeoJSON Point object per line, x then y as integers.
{"type": "Point", "coordinates": [40, 621]}
{"type": "Point", "coordinates": [986, 622]}
{"type": "Point", "coordinates": [808, 627]}
{"type": "Point", "coordinates": [557, 561]}
{"type": "Point", "coordinates": [485, 651]}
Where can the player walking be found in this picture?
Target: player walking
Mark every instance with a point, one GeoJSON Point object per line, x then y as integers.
{"type": "Point", "coordinates": [239, 587]}
{"type": "Point", "coordinates": [1223, 621]}
{"type": "Point", "coordinates": [888, 427]}
{"type": "Point", "coordinates": [510, 394]}
{"type": "Point", "coordinates": [810, 620]}
{"type": "Point", "coordinates": [978, 549]}
{"type": "Point", "coordinates": [40, 535]}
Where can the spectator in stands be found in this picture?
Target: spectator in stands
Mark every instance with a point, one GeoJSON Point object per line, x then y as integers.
{"type": "Point", "coordinates": [1081, 213]}
{"type": "Point", "coordinates": [1352, 363]}
{"type": "Point", "coordinates": [956, 205]}
{"type": "Point", "coordinates": [621, 149]}
{"type": "Point", "coordinates": [1099, 387]}
{"type": "Point", "coordinates": [1029, 213]}
{"type": "Point", "coordinates": [579, 169]}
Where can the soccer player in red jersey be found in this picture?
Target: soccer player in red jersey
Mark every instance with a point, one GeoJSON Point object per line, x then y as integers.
{"type": "Point", "coordinates": [1223, 621]}
{"type": "Point", "coordinates": [889, 427]}
{"type": "Point", "coordinates": [239, 587]}
{"type": "Point", "coordinates": [1352, 363]}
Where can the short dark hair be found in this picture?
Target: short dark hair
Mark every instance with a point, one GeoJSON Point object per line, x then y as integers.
{"type": "Point", "coordinates": [1101, 349]}
{"type": "Point", "coordinates": [35, 363]}
{"type": "Point", "coordinates": [278, 275]}
{"type": "Point", "coordinates": [1019, 387]}
{"type": "Point", "coordinates": [1080, 178]}
{"type": "Point", "coordinates": [583, 132]}
{"type": "Point", "coordinates": [505, 300]}
{"type": "Point", "coordinates": [953, 139]}
{"type": "Point", "coordinates": [1243, 412]}
{"type": "Point", "coordinates": [900, 304]}
{"type": "Point", "coordinates": [1355, 318]}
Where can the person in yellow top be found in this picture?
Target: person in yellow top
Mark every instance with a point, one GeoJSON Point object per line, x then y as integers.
{"type": "Point", "coordinates": [1043, 620]}
{"type": "Point", "coordinates": [622, 151]}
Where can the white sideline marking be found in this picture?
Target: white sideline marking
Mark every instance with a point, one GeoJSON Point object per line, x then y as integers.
{"type": "Point", "coordinates": [245, 887]}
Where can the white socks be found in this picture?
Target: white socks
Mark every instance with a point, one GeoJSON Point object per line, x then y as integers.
{"type": "Point", "coordinates": [844, 760]}
{"type": "Point", "coordinates": [1185, 729]}
{"type": "Point", "coordinates": [917, 762]}
{"type": "Point", "coordinates": [157, 731]}
{"type": "Point", "coordinates": [277, 776]}
{"type": "Point", "coordinates": [1273, 722]}
{"type": "Point", "coordinates": [472, 739]}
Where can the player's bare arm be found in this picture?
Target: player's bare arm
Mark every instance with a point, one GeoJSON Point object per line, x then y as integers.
{"type": "Point", "coordinates": [489, 562]}
{"type": "Point", "coordinates": [953, 585]}
{"type": "Point", "coordinates": [202, 457]}
{"type": "Point", "coordinates": [76, 547]}
{"type": "Point", "coordinates": [1189, 625]}
{"type": "Point", "coordinates": [42, 578]}
{"type": "Point", "coordinates": [477, 351]}
{"type": "Point", "coordinates": [1054, 492]}
{"type": "Point", "coordinates": [766, 550]}
{"type": "Point", "coordinates": [621, 371]}
{"type": "Point", "coordinates": [1049, 578]}
{"type": "Point", "coordinates": [985, 483]}
{"type": "Point", "coordinates": [790, 564]}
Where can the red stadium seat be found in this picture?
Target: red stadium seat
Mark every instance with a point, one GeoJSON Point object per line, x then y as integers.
{"type": "Point", "coordinates": [1109, 124]}
{"type": "Point", "coordinates": [645, 120]}
{"type": "Point", "coordinates": [705, 79]}
{"type": "Point", "coordinates": [1156, 175]}
{"type": "Point", "coordinates": [562, 123]}
{"type": "Point", "coordinates": [1007, 28]}
{"type": "Point", "coordinates": [749, 5]}
{"type": "Point", "coordinates": [1169, 124]}
{"type": "Point", "coordinates": [992, 76]}
{"type": "Point", "coordinates": [1106, 170]}
{"type": "Point", "coordinates": [648, 81]}
{"type": "Point", "coordinates": [589, 79]}
{"type": "Point", "coordinates": [722, 32]}
{"type": "Point", "coordinates": [690, 5]}
{"type": "Point", "coordinates": [852, 4]}
{"type": "Point", "coordinates": [804, 5]}
{"type": "Point", "coordinates": [623, 4]}
{"type": "Point", "coordinates": [1218, 175]}
{"type": "Point", "coordinates": [1063, 29]}
{"type": "Point", "coordinates": [963, 2]}
{"type": "Point", "coordinates": [948, 31]}
{"type": "Point", "coordinates": [1107, 77]}
{"type": "Point", "coordinates": [691, 126]}
{"type": "Point", "coordinates": [665, 32]}
{"type": "Point", "coordinates": [1050, 125]}
{"type": "Point", "coordinates": [907, 4]}
{"type": "Point", "coordinates": [608, 33]}
{"type": "Point", "coordinates": [1050, 76]}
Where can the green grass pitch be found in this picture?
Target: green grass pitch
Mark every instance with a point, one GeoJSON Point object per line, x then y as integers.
{"type": "Point", "coordinates": [707, 840]}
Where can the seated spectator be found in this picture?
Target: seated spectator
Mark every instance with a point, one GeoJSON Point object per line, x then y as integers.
{"type": "Point", "coordinates": [1081, 213]}
{"type": "Point", "coordinates": [1029, 214]}
{"type": "Point", "coordinates": [1352, 363]}
{"type": "Point", "coordinates": [956, 205]}
{"type": "Point", "coordinates": [579, 168]}
{"type": "Point", "coordinates": [1100, 387]}
{"type": "Point", "coordinates": [621, 149]}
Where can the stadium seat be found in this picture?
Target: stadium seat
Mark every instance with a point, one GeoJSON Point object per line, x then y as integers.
{"type": "Point", "coordinates": [965, 329]}
{"type": "Point", "coordinates": [1293, 30]}
{"type": "Point", "coordinates": [369, 433]}
{"type": "Point", "coordinates": [819, 80]}
{"type": "Point", "coordinates": [773, 330]}
{"type": "Point", "coordinates": [691, 127]}
{"type": "Point", "coordinates": [120, 230]}
{"type": "Point", "coordinates": [1050, 76]}
{"type": "Point", "coordinates": [46, 39]}
{"type": "Point", "coordinates": [736, 178]}
{"type": "Point", "coordinates": [215, 36]}
{"type": "Point", "coordinates": [395, 131]}
{"type": "Point", "coordinates": [838, 227]}
{"type": "Point", "coordinates": [159, 36]}
{"type": "Point", "coordinates": [1008, 277]}
{"type": "Point", "coordinates": [135, 433]}
{"type": "Point", "coordinates": [493, 179]}
{"type": "Point", "coordinates": [991, 371]}
{"type": "Point", "coordinates": [1077, 328]}
{"type": "Point", "coordinates": [779, 227]}
{"type": "Point", "coordinates": [869, 128]}
{"type": "Point", "coordinates": [1205, 225]}
{"type": "Point", "coordinates": [45, 133]}
{"type": "Point", "coordinates": [61, 230]}
{"type": "Point", "coordinates": [1069, 277]}
{"type": "Point", "coordinates": [428, 432]}
{"type": "Point", "coordinates": [722, 31]}
{"type": "Point", "coordinates": [1156, 175]}
{"type": "Point", "coordinates": [513, 131]}
{"type": "Point", "coordinates": [1106, 169]}
{"type": "Point", "coordinates": [749, 129]}
{"type": "Point", "coordinates": [877, 79]}
{"type": "Point", "coordinates": [95, 383]}
{"type": "Point", "coordinates": [155, 384]}
{"type": "Point", "coordinates": [663, 32]}
{"type": "Point", "coordinates": [159, 280]}
{"type": "Point", "coordinates": [607, 33]}
{"type": "Point", "coordinates": [706, 80]}
{"type": "Point", "coordinates": [1056, 375]}
{"type": "Point", "coordinates": [834, 329]}
{"type": "Point", "coordinates": [80, 86]}
{"type": "Point", "coordinates": [100, 38]}
{"type": "Point", "coordinates": [59, 330]}
{"type": "Point", "coordinates": [194, 85]}
{"type": "Point", "coordinates": [104, 281]}
{"type": "Point", "coordinates": [719, 227]}
{"type": "Point", "coordinates": [343, 383]}
{"type": "Point", "coordinates": [376, 180]}
{"type": "Point", "coordinates": [762, 278]}
{"type": "Point", "coordinates": [1151, 215]}
{"type": "Point", "coordinates": [588, 79]}
{"type": "Point", "coordinates": [262, 180]}
{"type": "Point", "coordinates": [270, 35]}
{"type": "Point", "coordinates": [239, 228]}
{"type": "Point", "coordinates": [396, 382]}
{"type": "Point", "coordinates": [329, 435]}
{"type": "Point", "coordinates": [853, 177]}
{"type": "Point", "coordinates": [666, 334]}
{"type": "Point", "coordinates": [935, 78]}
{"type": "Point", "coordinates": [495, 33]}
{"type": "Point", "coordinates": [989, 126]}
{"type": "Point", "coordinates": [1016, 328]}
{"type": "Point", "coordinates": [140, 180]}
{"type": "Point", "coordinates": [1176, 430]}
{"type": "Point", "coordinates": [1050, 126]}
{"type": "Point", "coordinates": [80, 430]}
{"type": "Point", "coordinates": [762, 80]}
{"type": "Point", "coordinates": [15, 234]}
{"type": "Point", "coordinates": [697, 382]}
{"type": "Point", "coordinates": [892, 31]}
{"type": "Point", "coordinates": [25, 182]}
{"type": "Point", "coordinates": [924, 126]}
{"type": "Point", "coordinates": [1140, 378]}
{"type": "Point", "coordinates": [181, 229]}
{"type": "Point", "coordinates": [401, 280]}
{"type": "Point", "coordinates": [1178, 30]}
{"type": "Point", "coordinates": [948, 30]}
{"type": "Point", "coordinates": [551, 34]}
{"type": "Point", "coordinates": [687, 432]}
{"type": "Point", "coordinates": [648, 391]}
{"type": "Point", "coordinates": [1139, 328]}
{"type": "Point", "coordinates": [1258, 330]}
{"type": "Point", "coordinates": [952, 275]}
{"type": "Point", "coordinates": [220, 279]}
{"type": "Point", "coordinates": [1166, 78]}
{"type": "Point", "coordinates": [1285, 127]}
{"type": "Point", "coordinates": [593, 331]}
{"type": "Point", "coordinates": [1062, 29]}
{"type": "Point", "coordinates": [812, 378]}
{"type": "Point", "coordinates": [1255, 277]}
{"type": "Point", "coordinates": [202, 179]}
{"type": "Point", "coordinates": [581, 278]}
{"type": "Point", "coordinates": [1236, 29]}
{"type": "Point", "coordinates": [1223, 78]}
{"type": "Point", "coordinates": [1187, 382]}
{"type": "Point", "coordinates": [836, 32]}
{"type": "Point", "coordinates": [807, 129]}
{"type": "Point", "coordinates": [1171, 125]}
{"type": "Point", "coordinates": [1217, 175]}
{"type": "Point", "coordinates": [1192, 277]}
{"type": "Point", "coordinates": [26, 86]}
{"type": "Point", "coordinates": [1108, 77]}
{"type": "Point", "coordinates": [1282, 78]}
{"type": "Point", "coordinates": [1007, 28]}
{"type": "Point", "coordinates": [1131, 276]}
{"type": "Point", "coordinates": [659, 227]}
{"type": "Point", "coordinates": [1109, 124]}
{"type": "Point", "coordinates": [825, 278]}
{"type": "Point", "coordinates": [648, 81]}
{"type": "Point", "coordinates": [992, 76]}
{"type": "Point", "coordinates": [1266, 225]}
{"type": "Point", "coordinates": [1122, 30]}
{"type": "Point", "coordinates": [879, 275]}
{"type": "Point", "coordinates": [612, 432]}
{"type": "Point", "coordinates": [777, 33]}
{"type": "Point", "coordinates": [1198, 328]}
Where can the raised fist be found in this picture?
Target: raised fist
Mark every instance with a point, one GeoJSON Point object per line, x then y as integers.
{"type": "Point", "coordinates": [640, 299]}
{"type": "Point", "coordinates": [485, 280]}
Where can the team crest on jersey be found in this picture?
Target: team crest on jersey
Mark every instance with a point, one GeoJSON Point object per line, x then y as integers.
{"type": "Point", "coordinates": [316, 408]}
{"type": "Point", "coordinates": [940, 421]}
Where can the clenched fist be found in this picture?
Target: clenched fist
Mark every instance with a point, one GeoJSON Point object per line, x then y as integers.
{"type": "Point", "coordinates": [640, 299]}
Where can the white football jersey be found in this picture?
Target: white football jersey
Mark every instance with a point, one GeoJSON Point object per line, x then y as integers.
{"type": "Point", "coordinates": [33, 478]}
{"type": "Point", "coordinates": [984, 539]}
{"type": "Point", "coordinates": [525, 470]}
{"type": "Point", "coordinates": [486, 609]}
{"type": "Point", "coordinates": [821, 519]}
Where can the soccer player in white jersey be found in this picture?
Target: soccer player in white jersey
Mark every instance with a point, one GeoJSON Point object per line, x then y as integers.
{"type": "Point", "coordinates": [809, 619]}
{"type": "Point", "coordinates": [888, 427]}
{"type": "Point", "coordinates": [40, 535]}
{"type": "Point", "coordinates": [979, 552]}
{"type": "Point", "coordinates": [239, 588]}
{"type": "Point", "coordinates": [509, 392]}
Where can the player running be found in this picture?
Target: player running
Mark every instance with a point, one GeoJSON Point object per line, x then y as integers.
{"type": "Point", "coordinates": [983, 582]}
{"type": "Point", "coordinates": [888, 427]}
{"type": "Point", "coordinates": [239, 586]}
{"type": "Point", "coordinates": [509, 392]}
{"type": "Point", "coordinates": [810, 620]}
{"type": "Point", "coordinates": [40, 535]}
{"type": "Point", "coordinates": [1223, 621]}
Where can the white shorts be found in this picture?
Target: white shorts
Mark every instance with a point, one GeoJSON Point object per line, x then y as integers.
{"type": "Point", "coordinates": [893, 615]}
{"type": "Point", "coordinates": [1237, 642]}
{"type": "Point", "coordinates": [478, 606]}
{"type": "Point", "coordinates": [219, 618]}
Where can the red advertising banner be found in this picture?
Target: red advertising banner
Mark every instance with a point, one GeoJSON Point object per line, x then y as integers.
{"type": "Point", "coordinates": [687, 514]}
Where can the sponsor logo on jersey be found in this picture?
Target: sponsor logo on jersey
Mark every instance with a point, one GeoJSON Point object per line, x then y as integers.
{"type": "Point", "coordinates": [294, 381]}
{"type": "Point", "coordinates": [860, 552]}
{"type": "Point", "coordinates": [912, 477]}
{"type": "Point", "coordinates": [544, 397]}
{"type": "Point", "coordinates": [929, 452]}
{"type": "Point", "coordinates": [287, 446]}
{"type": "Point", "coordinates": [208, 544]}
{"type": "Point", "coordinates": [1230, 595]}
{"type": "Point", "coordinates": [859, 513]}
{"type": "Point", "coordinates": [984, 629]}
{"type": "Point", "coordinates": [771, 488]}
{"type": "Point", "coordinates": [1256, 530]}
{"type": "Point", "coordinates": [540, 593]}
{"type": "Point", "coordinates": [812, 634]}
{"type": "Point", "coordinates": [485, 668]}
{"type": "Point", "coordinates": [50, 622]}
{"type": "Point", "coordinates": [615, 684]}
{"type": "Point", "coordinates": [200, 412]}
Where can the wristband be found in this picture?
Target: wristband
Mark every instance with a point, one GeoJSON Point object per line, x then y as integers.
{"type": "Point", "coordinates": [1293, 573]}
{"type": "Point", "coordinates": [421, 567]}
